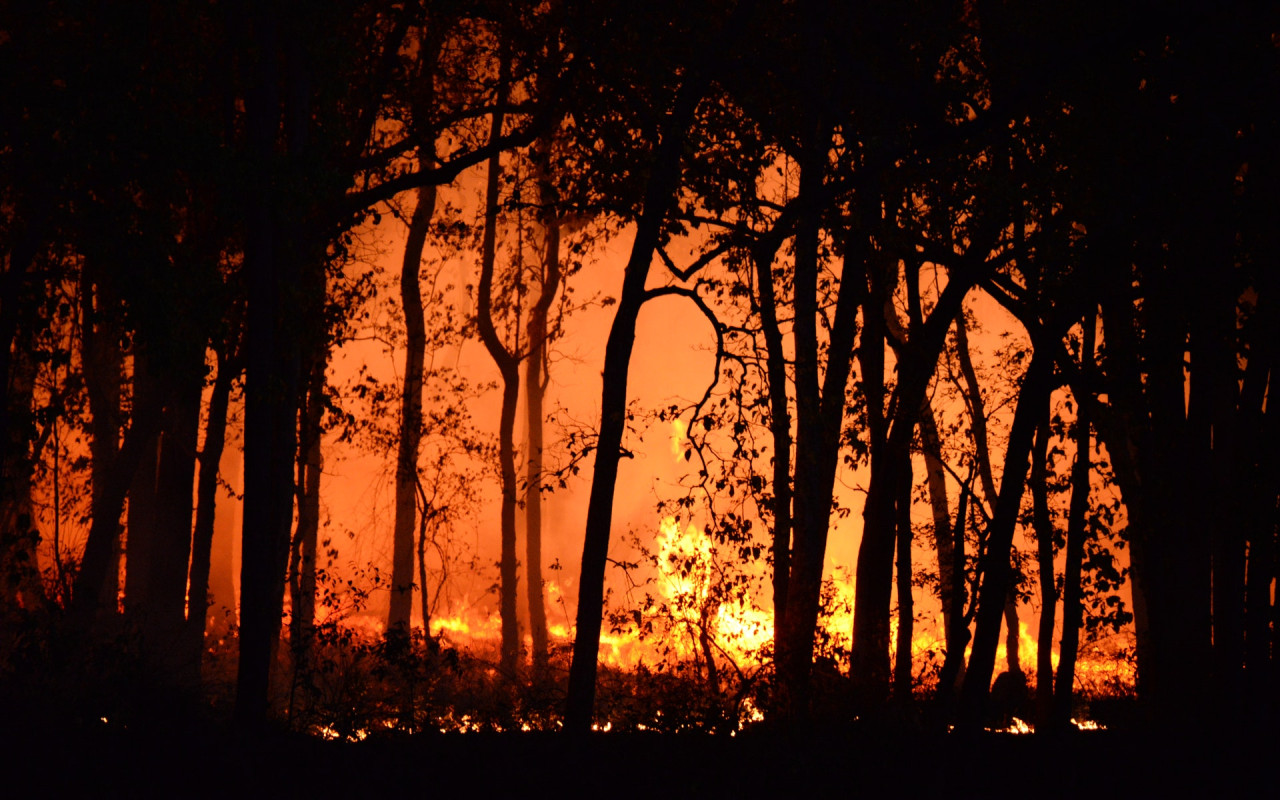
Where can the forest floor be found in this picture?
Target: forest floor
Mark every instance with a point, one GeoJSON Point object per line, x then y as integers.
{"type": "Point", "coordinates": [108, 761]}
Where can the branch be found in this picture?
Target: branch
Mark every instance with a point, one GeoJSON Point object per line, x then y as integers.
{"type": "Point", "coordinates": [446, 172]}
{"type": "Point", "coordinates": [702, 260]}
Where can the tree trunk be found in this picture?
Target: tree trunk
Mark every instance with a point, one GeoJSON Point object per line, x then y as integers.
{"type": "Point", "coordinates": [779, 428]}
{"type": "Point", "coordinates": [302, 558]}
{"type": "Point", "coordinates": [272, 359]}
{"type": "Point", "coordinates": [206, 504]}
{"type": "Point", "coordinates": [509, 367]}
{"type": "Point", "coordinates": [902, 677]}
{"type": "Point", "coordinates": [535, 387]}
{"type": "Point", "coordinates": [811, 509]}
{"type": "Point", "coordinates": [660, 191]}
{"type": "Point", "coordinates": [997, 577]}
{"type": "Point", "coordinates": [1077, 533]}
{"type": "Point", "coordinates": [1045, 535]}
{"type": "Point", "coordinates": [943, 534]}
{"type": "Point", "coordinates": [103, 376]}
{"type": "Point", "coordinates": [869, 661]}
{"type": "Point", "coordinates": [160, 508]}
{"type": "Point", "coordinates": [978, 427]}
{"type": "Point", "coordinates": [398, 615]}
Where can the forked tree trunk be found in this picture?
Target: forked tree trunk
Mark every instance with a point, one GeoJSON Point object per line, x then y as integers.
{"type": "Point", "coordinates": [997, 572]}
{"type": "Point", "coordinates": [978, 427]}
{"type": "Point", "coordinates": [869, 660]}
{"type": "Point", "coordinates": [820, 404]}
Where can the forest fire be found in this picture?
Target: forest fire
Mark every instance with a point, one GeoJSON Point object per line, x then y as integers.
{"type": "Point", "coordinates": [615, 367]}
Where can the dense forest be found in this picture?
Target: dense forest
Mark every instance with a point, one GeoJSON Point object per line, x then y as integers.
{"type": "Point", "coordinates": [982, 292]}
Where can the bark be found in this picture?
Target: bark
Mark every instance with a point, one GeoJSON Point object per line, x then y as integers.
{"type": "Point", "coordinates": [509, 367]}
{"type": "Point", "coordinates": [1077, 534]}
{"type": "Point", "coordinates": [664, 180]}
{"type": "Point", "coordinates": [407, 490]}
{"type": "Point", "coordinates": [535, 388]}
{"type": "Point", "coordinates": [997, 578]}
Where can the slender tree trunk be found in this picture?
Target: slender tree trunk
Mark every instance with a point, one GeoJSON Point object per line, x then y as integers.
{"type": "Point", "coordinates": [664, 180]}
{"type": "Point", "coordinates": [424, 596]}
{"type": "Point", "coordinates": [302, 559]}
{"type": "Point", "coordinates": [812, 505]}
{"type": "Point", "coordinates": [943, 537]}
{"type": "Point", "coordinates": [509, 367]}
{"type": "Point", "coordinates": [407, 490]}
{"type": "Point", "coordinates": [1077, 533]}
{"type": "Point", "coordinates": [535, 387]}
{"type": "Point", "coordinates": [780, 429]}
{"type": "Point", "coordinates": [902, 677]}
{"type": "Point", "coordinates": [953, 666]}
{"type": "Point", "coordinates": [1045, 545]}
{"type": "Point", "coordinates": [206, 504]}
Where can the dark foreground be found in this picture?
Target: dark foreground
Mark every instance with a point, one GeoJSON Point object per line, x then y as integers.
{"type": "Point", "coordinates": [103, 761]}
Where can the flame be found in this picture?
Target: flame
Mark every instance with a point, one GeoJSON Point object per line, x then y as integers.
{"type": "Point", "coordinates": [679, 439]}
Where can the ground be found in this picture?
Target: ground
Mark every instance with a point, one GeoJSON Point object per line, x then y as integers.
{"type": "Point", "coordinates": [102, 761]}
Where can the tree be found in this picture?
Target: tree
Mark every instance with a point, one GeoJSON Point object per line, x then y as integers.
{"type": "Point", "coordinates": [663, 170]}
